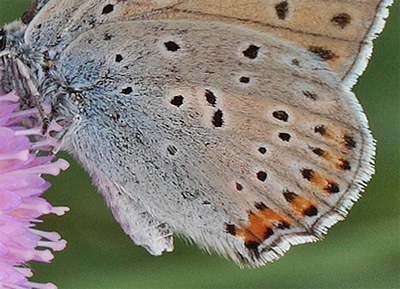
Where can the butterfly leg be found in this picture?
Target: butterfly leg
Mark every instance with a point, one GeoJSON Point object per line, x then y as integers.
{"type": "Point", "coordinates": [24, 83]}
{"type": "Point", "coordinates": [6, 82]}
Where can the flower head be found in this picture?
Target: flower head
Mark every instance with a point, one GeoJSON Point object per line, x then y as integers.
{"type": "Point", "coordinates": [21, 187]}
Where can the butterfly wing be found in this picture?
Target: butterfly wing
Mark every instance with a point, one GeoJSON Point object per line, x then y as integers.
{"type": "Point", "coordinates": [241, 141]}
{"type": "Point", "coordinates": [32, 10]}
{"type": "Point", "coordinates": [340, 32]}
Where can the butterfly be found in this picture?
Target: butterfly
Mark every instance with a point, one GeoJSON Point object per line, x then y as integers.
{"type": "Point", "coordinates": [231, 123]}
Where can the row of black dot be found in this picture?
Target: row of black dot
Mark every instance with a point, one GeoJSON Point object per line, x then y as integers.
{"type": "Point", "coordinates": [251, 52]}
{"type": "Point", "coordinates": [126, 90]}
{"type": "Point", "coordinates": [261, 176]}
{"type": "Point", "coordinates": [349, 141]}
{"type": "Point", "coordinates": [341, 20]}
{"type": "Point", "coordinates": [282, 8]}
{"type": "Point", "coordinates": [211, 98]}
{"type": "Point", "coordinates": [307, 174]}
{"type": "Point", "coordinates": [170, 45]}
{"type": "Point", "coordinates": [217, 119]}
{"type": "Point", "coordinates": [282, 116]}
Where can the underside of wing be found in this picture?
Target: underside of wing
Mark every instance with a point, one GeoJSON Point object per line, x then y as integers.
{"type": "Point", "coordinates": [241, 141]}
{"type": "Point", "coordinates": [340, 32]}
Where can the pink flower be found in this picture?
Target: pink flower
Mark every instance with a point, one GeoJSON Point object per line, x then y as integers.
{"type": "Point", "coordinates": [21, 186]}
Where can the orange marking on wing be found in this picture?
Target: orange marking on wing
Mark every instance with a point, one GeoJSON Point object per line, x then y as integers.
{"type": "Point", "coordinates": [343, 164]}
{"type": "Point", "coordinates": [336, 160]}
{"type": "Point", "coordinates": [254, 231]}
{"type": "Point", "coordinates": [260, 224]}
{"type": "Point", "coordinates": [336, 136]}
{"type": "Point", "coordinates": [274, 217]}
{"type": "Point", "coordinates": [322, 183]}
{"type": "Point", "coordinates": [318, 180]}
{"type": "Point", "coordinates": [300, 205]}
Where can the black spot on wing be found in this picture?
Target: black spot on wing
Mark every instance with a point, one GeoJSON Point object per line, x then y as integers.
{"type": "Point", "coordinates": [108, 9]}
{"type": "Point", "coordinates": [282, 9]}
{"type": "Point", "coordinates": [262, 176]}
{"type": "Point", "coordinates": [172, 46]}
{"type": "Point", "coordinates": [281, 115]}
{"type": "Point", "coordinates": [262, 150]}
{"type": "Point", "coordinates": [217, 120]}
{"type": "Point", "coordinates": [284, 136]}
{"type": "Point", "coordinates": [177, 100]}
{"type": "Point", "coordinates": [308, 174]}
{"type": "Point", "coordinates": [323, 53]}
{"type": "Point", "coordinates": [349, 142]}
{"type": "Point", "coordinates": [251, 52]}
{"type": "Point", "coordinates": [244, 79]}
{"type": "Point", "coordinates": [311, 211]}
{"type": "Point", "coordinates": [239, 187]}
{"type": "Point", "coordinates": [341, 20]}
{"type": "Point", "coordinates": [210, 97]}
{"type": "Point", "coordinates": [127, 90]}
{"type": "Point", "coordinates": [118, 58]}
{"type": "Point", "coordinates": [320, 129]}
{"type": "Point", "coordinates": [332, 188]}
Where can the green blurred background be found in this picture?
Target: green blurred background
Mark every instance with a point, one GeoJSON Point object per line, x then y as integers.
{"type": "Point", "coordinates": [362, 252]}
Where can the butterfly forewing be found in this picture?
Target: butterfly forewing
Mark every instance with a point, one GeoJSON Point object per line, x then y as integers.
{"type": "Point", "coordinates": [339, 32]}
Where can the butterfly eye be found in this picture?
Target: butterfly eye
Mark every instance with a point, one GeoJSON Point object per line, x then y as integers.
{"type": "Point", "coordinates": [2, 39]}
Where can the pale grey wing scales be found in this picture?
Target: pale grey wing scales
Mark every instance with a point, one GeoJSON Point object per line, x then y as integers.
{"type": "Point", "coordinates": [236, 139]}
{"type": "Point", "coordinates": [64, 25]}
{"type": "Point", "coordinates": [146, 231]}
{"type": "Point", "coordinates": [340, 32]}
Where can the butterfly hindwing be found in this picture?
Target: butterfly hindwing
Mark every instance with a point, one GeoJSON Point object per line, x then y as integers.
{"type": "Point", "coordinates": [212, 136]}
